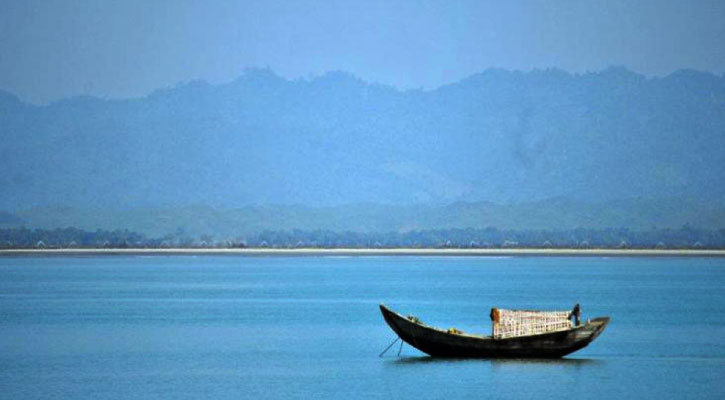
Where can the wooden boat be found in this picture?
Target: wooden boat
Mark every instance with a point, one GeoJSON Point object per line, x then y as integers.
{"type": "Point", "coordinates": [453, 343]}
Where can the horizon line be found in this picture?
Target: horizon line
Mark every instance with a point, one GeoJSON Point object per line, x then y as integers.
{"type": "Point", "coordinates": [373, 252]}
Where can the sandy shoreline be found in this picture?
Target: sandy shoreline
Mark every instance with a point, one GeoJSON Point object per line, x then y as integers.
{"type": "Point", "coordinates": [372, 252]}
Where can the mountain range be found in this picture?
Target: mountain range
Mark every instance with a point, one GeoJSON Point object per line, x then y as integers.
{"type": "Point", "coordinates": [611, 141]}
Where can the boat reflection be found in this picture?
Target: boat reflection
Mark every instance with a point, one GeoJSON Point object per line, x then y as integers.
{"type": "Point", "coordinates": [499, 362]}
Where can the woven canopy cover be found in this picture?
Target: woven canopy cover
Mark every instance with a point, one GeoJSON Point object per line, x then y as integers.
{"type": "Point", "coordinates": [515, 323]}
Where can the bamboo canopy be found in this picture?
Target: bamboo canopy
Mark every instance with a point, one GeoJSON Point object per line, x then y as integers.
{"type": "Point", "coordinates": [516, 323]}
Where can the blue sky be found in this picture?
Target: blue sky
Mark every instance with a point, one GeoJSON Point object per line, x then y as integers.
{"type": "Point", "coordinates": [52, 49]}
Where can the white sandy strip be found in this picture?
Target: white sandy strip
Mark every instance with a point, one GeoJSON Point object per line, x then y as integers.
{"type": "Point", "coordinates": [375, 252]}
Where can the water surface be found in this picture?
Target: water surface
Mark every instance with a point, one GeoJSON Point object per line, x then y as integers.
{"type": "Point", "coordinates": [127, 327]}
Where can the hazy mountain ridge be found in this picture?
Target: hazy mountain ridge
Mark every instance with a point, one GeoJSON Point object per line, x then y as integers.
{"type": "Point", "coordinates": [551, 214]}
{"type": "Point", "coordinates": [499, 136]}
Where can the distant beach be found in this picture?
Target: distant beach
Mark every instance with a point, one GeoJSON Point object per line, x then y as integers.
{"type": "Point", "coordinates": [314, 252]}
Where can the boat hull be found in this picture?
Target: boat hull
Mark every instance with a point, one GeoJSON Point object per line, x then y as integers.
{"type": "Point", "coordinates": [440, 343]}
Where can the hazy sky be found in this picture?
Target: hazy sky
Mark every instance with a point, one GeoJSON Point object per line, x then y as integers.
{"type": "Point", "coordinates": [52, 49]}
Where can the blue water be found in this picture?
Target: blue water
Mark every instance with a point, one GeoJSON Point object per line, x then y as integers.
{"type": "Point", "coordinates": [283, 328]}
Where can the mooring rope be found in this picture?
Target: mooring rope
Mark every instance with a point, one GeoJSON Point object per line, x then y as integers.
{"type": "Point", "coordinates": [391, 345]}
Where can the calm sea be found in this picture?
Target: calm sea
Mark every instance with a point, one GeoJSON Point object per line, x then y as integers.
{"type": "Point", "coordinates": [186, 327]}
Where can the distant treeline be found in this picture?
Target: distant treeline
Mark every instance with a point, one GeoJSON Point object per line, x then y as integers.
{"type": "Point", "coordinates": [684, 238]}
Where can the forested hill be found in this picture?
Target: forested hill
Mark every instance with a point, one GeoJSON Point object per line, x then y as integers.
{"type": "Point", "coordinates": [498, 136]}
{"type": "Point", "coordinates": [68, 238]}
{"type": "Point", "coordinates": [551, 214]}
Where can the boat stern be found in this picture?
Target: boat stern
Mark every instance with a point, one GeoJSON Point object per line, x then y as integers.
{"type": "Point", "coordinates": [590, 330]}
